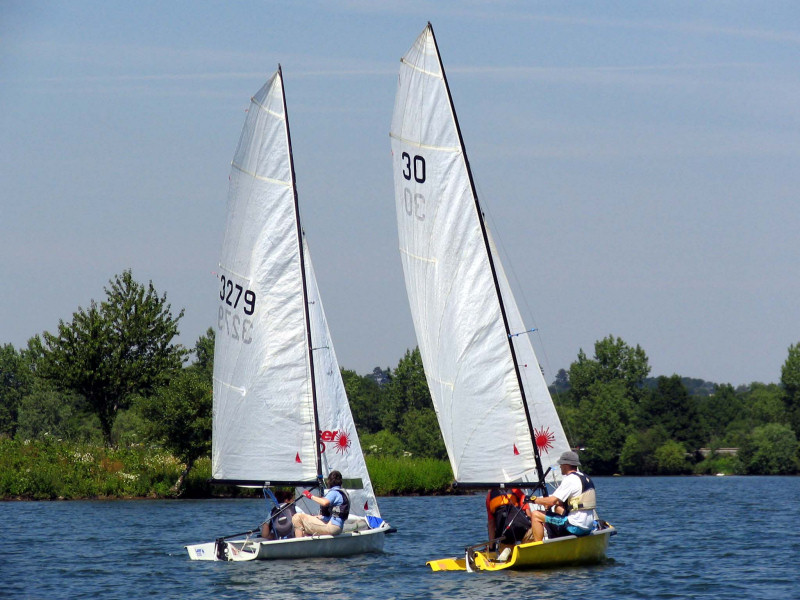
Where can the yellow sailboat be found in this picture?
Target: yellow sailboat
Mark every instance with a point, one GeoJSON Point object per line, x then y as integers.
{"type": "Point", "coordinates": [497, 418]}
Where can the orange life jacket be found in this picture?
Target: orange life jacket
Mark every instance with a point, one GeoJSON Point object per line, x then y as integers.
{"type": "Point", "coordinates": [498, 498]}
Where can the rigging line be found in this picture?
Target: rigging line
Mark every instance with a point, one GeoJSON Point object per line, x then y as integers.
{"type": "Point", "coordinates": [511, 335]}
{"type": "Point", "coordinates": [508, 265]}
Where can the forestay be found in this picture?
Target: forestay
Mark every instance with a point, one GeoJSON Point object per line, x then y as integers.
{"type": "Point", "coordinates": [454, 297]}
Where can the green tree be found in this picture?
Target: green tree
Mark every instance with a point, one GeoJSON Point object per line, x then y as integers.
{"type": "Point", "coordinates": [382, 443]}
{"type": "Point", "coordinates": [670, 406]}
{"type": "Point", "coordinates": [113, 351]}
{"type": "Point", "coordinates": [790, 379]}
{"type": "Point", "coordinates": [408, 409]}
{"type": "Point", "coordinates": [765, 404]}
{"type": "Point", "coordinates": [407, 390]}
{"type": "Point", "coordinates": [204, 353]}
{"type": "Point", "coordinates": [364, 396]}
{"type": "Point", "coordinates": [15, 383]}
{"type": "Point", "coordinates": [671, 458]}
{"type": "Point", "coordinates": [614, 361]}
{"type": "Point", "coordinates": [606, 424]}
{"type": "Point", "coordinates": [719, 410]}
{"type": "Point", "coordinates": [638, 454]}
{"type": "Point", "coordinates": [420, 433]}
{"type": "Point", "coordinates": [770, 450]}
{"type": "Point", "coordinates": [179, 416]}
{"type": "Point", "coordinates": [45, 412]}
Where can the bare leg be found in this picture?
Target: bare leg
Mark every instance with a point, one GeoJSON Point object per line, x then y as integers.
{"type": "Point", "coordinates": [537, 524]}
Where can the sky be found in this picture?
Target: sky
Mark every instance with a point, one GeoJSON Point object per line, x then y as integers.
{"type": "Point", "coordinates": [637, 161]}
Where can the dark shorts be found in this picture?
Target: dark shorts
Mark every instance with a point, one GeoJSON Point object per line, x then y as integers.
{"type": "Point", "coordinates": [511, 524]}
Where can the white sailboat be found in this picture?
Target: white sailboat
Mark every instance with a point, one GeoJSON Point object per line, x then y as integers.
{"type": "Point", "coordinates": [497, 418]}
{"type": "Point", "coordinates": [281, 416]}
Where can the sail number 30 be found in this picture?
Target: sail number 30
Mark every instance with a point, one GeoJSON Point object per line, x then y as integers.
{"type": "Point", "coordinates": [418, 168]}
{"type": "Point", "coordinates": [414, 201]}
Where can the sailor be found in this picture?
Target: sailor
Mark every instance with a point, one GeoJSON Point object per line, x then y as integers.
{"type": "Point", "coordinates": [279, 524]}
{"type": "Point", "coordinates": [572, 503]}
{"type": "Point", "coordinates": [334, 509]}
{"type": "Point", "coordinates": [507, 518]}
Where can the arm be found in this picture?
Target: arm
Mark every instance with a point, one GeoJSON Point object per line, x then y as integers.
{"type": "Point", "coordinates": [317, 499]}
{"type": "Point", "coordinates": [547, 501]}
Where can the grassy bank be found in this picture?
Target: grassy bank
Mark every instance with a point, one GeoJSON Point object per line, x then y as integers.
{"type": "Point", "coordinates": [396, 476]}
{"type": "Point", "coordinates": [52, 469]}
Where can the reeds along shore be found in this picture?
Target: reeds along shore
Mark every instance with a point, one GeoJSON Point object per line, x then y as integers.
{"type": "Point", "coordinates": [53, 469]}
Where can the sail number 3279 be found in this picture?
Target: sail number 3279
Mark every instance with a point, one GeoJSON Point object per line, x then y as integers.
{"type": "Point", "coordinates": [414, 202]}
{"type": "Point", "coordinates": [235, 296]}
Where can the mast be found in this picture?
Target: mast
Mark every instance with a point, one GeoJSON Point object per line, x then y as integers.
{"type": "Point", "coordinates": [300, 234]}
{"type": "Point", "coordinates": [537, 458]}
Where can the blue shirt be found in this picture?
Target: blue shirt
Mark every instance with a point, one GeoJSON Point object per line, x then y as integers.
{"type": "Point", "coordinates": [335, 499]}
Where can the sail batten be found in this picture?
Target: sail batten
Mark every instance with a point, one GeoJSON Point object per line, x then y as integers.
{"type": "Point", "coordinates": [463, 310]}
{"type": "Point", "coordinates": [260, 178]}
{"type": "Point", "coordinates": [455, 149]}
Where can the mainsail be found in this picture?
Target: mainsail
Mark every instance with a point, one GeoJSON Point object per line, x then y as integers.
{"type": "Point", "coordinates": [496, 415]}
{"type": "Point", "coordinates": [281, 416]}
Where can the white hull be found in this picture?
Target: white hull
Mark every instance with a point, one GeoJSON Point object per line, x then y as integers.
{"type": "Point", "coordinates": [318, 546]}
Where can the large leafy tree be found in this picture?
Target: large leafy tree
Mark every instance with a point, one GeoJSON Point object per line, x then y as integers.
{"type": "Point", "coordinates": [614, 362]}
{"type": "Point", "coordinates": [605, 390]}
{"type": "Point", "coordinates": [114, 350]}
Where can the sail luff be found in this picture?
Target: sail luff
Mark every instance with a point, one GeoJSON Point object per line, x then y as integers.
{"type": "Point", "coordinates": [300, 236]}
{"type": "Point", "coordinates": [479, 214]}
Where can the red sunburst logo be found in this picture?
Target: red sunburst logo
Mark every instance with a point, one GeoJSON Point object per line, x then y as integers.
{"type": "Point", "coordinates": [342, 442]}
{"type": "Point", "coordinates": [544, 438]}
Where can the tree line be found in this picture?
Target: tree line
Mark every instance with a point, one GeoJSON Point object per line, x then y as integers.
{"type": "Point", "coordinates": [115, 375]}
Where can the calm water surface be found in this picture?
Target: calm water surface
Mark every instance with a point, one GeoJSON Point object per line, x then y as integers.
{"type": "Point", "coordinates": [709, 537]}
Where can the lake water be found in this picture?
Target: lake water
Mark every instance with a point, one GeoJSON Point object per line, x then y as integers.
{"type": "Point", "coordinates": [690, 537]}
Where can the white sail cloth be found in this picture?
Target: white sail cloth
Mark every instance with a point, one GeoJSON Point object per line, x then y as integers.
{"type": "Point", "coordinates": [263, 418]}
{"type": "Point", "coordinates": [453, 296]}
{"type": "Point", "coordinates": [341, 450]}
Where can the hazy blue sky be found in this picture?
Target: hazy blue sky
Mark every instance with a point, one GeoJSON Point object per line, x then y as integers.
{"type": "Point", "coordinates": [639, 162]}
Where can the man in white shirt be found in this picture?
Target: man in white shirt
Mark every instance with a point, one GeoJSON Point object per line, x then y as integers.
{"type": "Point", "coordinates": [573, 503]}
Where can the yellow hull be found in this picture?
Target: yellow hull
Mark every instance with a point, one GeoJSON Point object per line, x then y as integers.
{"type": "Point", "coordinates": [564, 551]}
